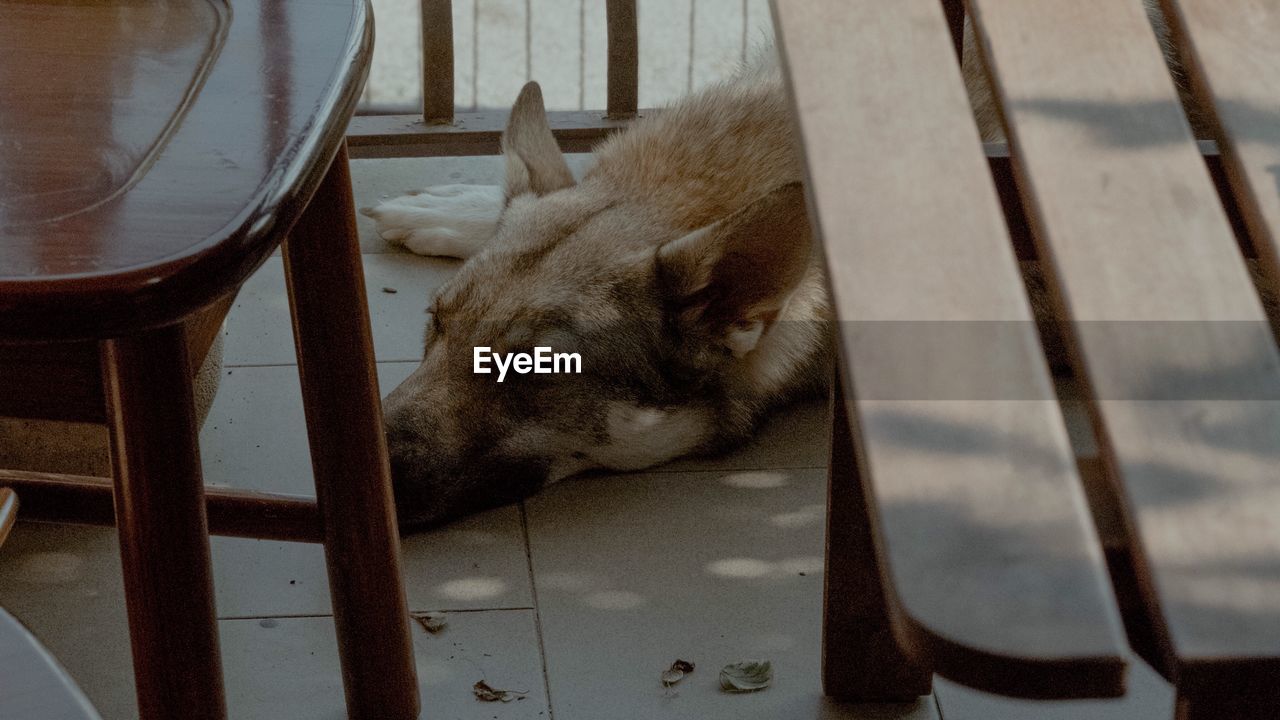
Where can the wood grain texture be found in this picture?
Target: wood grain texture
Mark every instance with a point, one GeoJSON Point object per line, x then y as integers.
{"type": "Point", "coordinates": [1169, 333]}
{"type": "Point", "coordinates": [156, 157]}
{"type": "Point", "coordinates": [33, 685]}
{"type": "Point", "coordinates": [437, 61]}
{"type": "Point", "coordinates": [62, 381]}
{"type": "Point", "coordinates": [1229, 703]}
{"type": "Point", "coordinates": [160, 520]}
{"type": "Point", "coordinates": [861, 660]}
{"type": "Point", "coordinates": [349, 453]}
{"type": "Point", "coordinates": [1231, 50]}
{"type": "Point", "coordinates": [85, 500]}
{"type": "Point", "coordinates": [119, 131]}
{"type": "Point", "coordinates": [8, 512]}
{"type": "Point", "coordinates": [624, 59]}
{"type": "Point", "coordinates": [997, 577]}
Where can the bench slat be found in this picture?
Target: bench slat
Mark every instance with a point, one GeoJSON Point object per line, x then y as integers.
{"type": "Point", "coordinates": [1231, 49]}
{"type": "Point", "coordinates": [997, 576]}
{"type": "Point", "coordinates": [1169, 331]}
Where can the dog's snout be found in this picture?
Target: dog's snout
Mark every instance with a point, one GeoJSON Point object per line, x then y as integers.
{"type": "Point", "coordinates": [432, 487]}
{"type": "Point", "coordinates": [398, 437]}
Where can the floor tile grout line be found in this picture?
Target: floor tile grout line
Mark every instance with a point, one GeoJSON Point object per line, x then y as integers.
{"type": "Point", "coordinates": [302, 616]}
{"type": "Point", "coordinates": [537, 610]}
{"type": "Point", "coordinates": [654, 471]}
{"type": "Point", "coordinates": [757, 468]}
{"type": "Point", "coordinates": [460, 611]}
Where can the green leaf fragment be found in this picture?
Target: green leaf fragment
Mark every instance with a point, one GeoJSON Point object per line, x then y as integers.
{"type": "Point", "coordinates": [746, 676]}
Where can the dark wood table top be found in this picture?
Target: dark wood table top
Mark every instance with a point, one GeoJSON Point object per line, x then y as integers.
{"type": "Point", "coordinates": [152, 154]}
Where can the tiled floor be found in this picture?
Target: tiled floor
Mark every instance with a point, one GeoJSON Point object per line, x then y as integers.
{"type": "Point", "coordinates": [580, 597]}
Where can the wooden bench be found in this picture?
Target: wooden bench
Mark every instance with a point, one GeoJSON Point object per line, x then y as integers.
{"type": "Point", "coordinates": [961, 529]}
{"type": "Point", "coordinates": [991, 572]}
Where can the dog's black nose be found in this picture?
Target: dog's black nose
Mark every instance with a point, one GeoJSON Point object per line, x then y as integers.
{"type": "Point", "coordinates": [427, 496]}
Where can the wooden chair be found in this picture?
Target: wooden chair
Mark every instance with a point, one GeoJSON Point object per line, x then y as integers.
{"type": "Point", "coordinates": [980, 562]}
{"type": "Point", "coordinates": [155, 161]}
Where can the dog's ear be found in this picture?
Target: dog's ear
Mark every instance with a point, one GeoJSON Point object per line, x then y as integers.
{"type": "Point", "coordinates": [730, 279]}
{"type": "Point", "coordinates": [534, 162]}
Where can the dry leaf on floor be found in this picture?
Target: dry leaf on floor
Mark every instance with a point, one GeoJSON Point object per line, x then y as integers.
{"type": "Point", "coordinates": [432, 622]}
{"type": "Point", "coordinates": [746, 676]}
{"type": "Point", "coordinates": [489, 694]}
{"type": "Point", "coordinates": [676, 672]}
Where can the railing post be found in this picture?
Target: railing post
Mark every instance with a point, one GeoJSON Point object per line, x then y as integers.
{"type": "Point", "coordinates": [624, 59]}
{"type": "Point", "coordinates": [437, 62]}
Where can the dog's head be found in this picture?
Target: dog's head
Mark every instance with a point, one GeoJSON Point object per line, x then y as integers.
{"type": "Point", "coordinates": [662, 317]}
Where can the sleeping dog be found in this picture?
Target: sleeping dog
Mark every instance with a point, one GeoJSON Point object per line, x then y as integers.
{"type": "Point", "coordinates": [679, 271]}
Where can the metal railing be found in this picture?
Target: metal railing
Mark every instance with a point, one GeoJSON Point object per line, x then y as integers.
{"type": "Point", "coordinates": [440, 130]}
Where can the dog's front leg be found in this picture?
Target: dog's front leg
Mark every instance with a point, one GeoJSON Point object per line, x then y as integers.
{"type": "Point", "coordinates": [445, 220]}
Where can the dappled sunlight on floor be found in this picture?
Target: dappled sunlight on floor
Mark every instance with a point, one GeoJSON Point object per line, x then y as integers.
{"type": "Point", "coordinates": [581, 598]}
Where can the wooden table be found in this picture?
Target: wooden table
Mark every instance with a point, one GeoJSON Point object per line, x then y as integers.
{"type": "Point", "coordinates": [152, 156]}
{"type": "Point", "coordinates": [949, 432]}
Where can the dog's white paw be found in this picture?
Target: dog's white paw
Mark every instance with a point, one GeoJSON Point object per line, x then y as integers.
{"type": "Point", "coordinates": [445, 220]}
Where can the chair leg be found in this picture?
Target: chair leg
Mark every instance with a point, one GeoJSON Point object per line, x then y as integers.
{"type": "Point", "coordinates": [1240, 704]}
{"type": "Point", "coordinates": [861, 661]}
{"type": "Point", "coordinates": [349, 454]}
{"type": "Point", "coordinates": [160, 515]}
